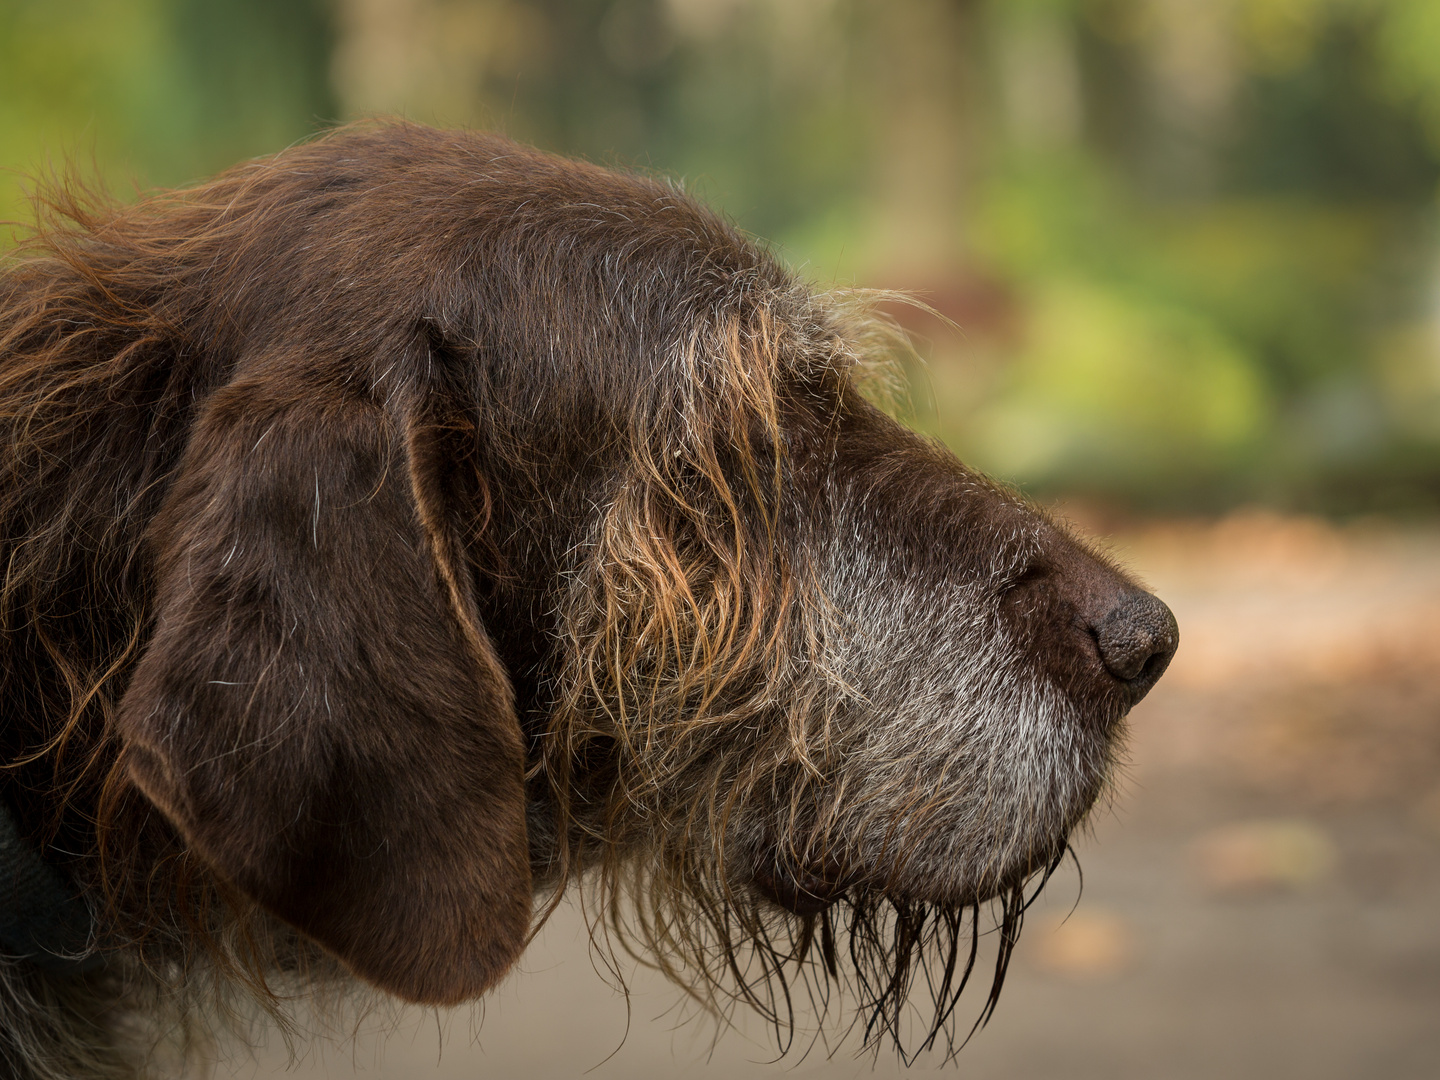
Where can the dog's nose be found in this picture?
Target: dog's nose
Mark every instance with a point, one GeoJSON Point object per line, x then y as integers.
{"type": "Point", "coordinates": [1137, 638]}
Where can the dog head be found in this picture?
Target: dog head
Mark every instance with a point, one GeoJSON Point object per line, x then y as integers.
{"type": "Point", "coordinates": [532, 525]}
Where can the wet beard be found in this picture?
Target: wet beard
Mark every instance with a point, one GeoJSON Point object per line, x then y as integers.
{"type": "Point", "coordinates": [893, 969]}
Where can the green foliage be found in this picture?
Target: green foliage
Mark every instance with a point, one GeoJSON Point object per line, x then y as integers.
{"type": "Point", "coordinates": [1231, 298]}
{"type": "Point", "coordinates": [1203, 235]}
{"type": "Point", "coordinates": [152, 92]}
{"type": "Point", "coordinates": [1124, 389]}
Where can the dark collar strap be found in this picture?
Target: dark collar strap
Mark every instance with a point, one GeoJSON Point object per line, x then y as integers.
{"type": "Point", "coordinates": [41, 918]}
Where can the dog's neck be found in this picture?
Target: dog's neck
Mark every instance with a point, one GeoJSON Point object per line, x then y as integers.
{"type": "Point", "coordinates": [41, 918]}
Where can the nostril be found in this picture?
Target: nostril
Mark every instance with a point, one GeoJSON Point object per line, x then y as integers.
{"type": "Point", "coordinates": [1137, 637]}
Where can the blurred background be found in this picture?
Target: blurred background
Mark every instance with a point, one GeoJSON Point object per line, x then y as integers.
{"type": "Point", "coordinates": [1183, 258]}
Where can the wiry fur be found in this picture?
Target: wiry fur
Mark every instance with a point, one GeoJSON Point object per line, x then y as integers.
{"type": "Point", "coordinates": [411, 503]}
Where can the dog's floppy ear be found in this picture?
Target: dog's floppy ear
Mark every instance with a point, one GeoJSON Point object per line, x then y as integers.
{"type": "Point", "coordinates": [319, 710]}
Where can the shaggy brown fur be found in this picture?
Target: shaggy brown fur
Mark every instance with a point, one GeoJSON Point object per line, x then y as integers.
{"type": "Point", "coordinates": [412, 521]}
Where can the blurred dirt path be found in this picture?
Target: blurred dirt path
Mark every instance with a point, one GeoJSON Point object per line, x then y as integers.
{"type": "Point", "coordinates": [1262, 898]}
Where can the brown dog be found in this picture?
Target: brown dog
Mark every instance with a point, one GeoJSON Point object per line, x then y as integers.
{"type": "Point", "coordinates": [412, 521]}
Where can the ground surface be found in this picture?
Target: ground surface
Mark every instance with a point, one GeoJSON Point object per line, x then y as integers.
{"type": "Point", "coordinates": [1263, 899]}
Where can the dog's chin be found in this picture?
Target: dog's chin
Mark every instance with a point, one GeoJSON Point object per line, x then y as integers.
{"type": "Point", "coordinates": [807, 896]}
{"type": "Point", "coordinates": [801, 890]}
{"type": "Point", "coordinates": [813, 889]}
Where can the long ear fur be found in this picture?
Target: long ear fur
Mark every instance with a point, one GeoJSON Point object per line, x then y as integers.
{"type": "Point", "coordinates": [319, 711]}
